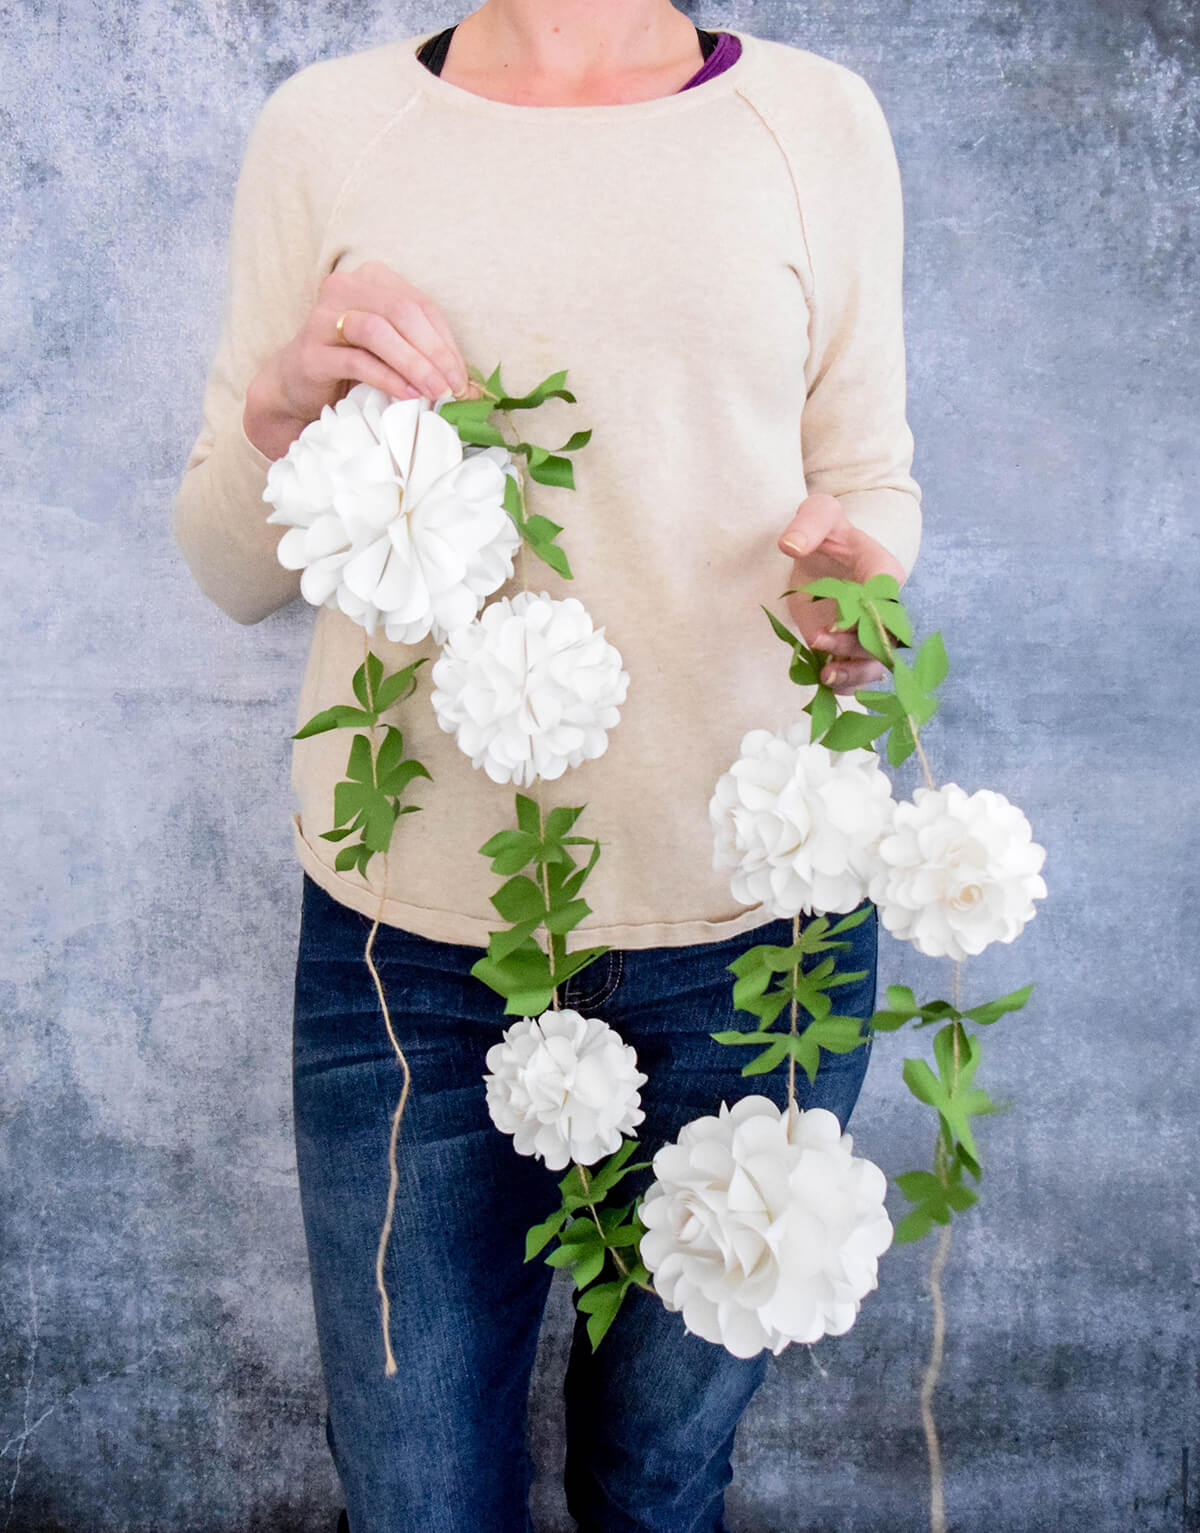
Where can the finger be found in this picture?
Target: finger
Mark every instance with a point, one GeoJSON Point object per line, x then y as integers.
{"type": "Point", "coordinates": [368, 331]}
{"type": "Point", "coordinates": [416, 317]}
{"type": "Point", "coordinates": [388, 290]}
{"type": "Point", "coordinates": [815, 518]}
{"type": "Point", "coordinates": [841, 642]}
{"type": "Point", "coordinates": [335, 363]}
{"type": "Point", "coordinates": [408, 317]}
{"type": "Point", "coordinates": [442, 325]}
{"type": "Point", "coordinates": [848, 675]}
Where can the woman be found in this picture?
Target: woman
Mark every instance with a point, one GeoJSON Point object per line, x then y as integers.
{"type": "Point", "coordinates": [714, 256]}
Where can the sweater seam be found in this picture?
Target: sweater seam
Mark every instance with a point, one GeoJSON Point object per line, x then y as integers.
{"type": "Point", "coordinates": [807, 287]}
{"type": "Point", "coordinates": [356, 170]}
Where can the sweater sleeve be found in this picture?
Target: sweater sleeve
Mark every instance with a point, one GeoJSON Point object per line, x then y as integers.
{"type": "Point", "coordinates": [218, 516]}
{"type": "Point", "coordinates": [855, 436]}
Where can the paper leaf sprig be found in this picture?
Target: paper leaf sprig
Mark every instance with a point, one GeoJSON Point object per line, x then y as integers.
{"type": "Point", "coordinates": [874, 610]}
{"type": "Point", "coordinates": [590, 1236]}
{"type": "Point", "coordinates": [515, 965]}
{"type": "Point", "coordinates": [953, 1096]}
{"type": "Point", "coordinates": [470, 418]}
{"type": "Point", "coordinates": [757, 991]}
{"type": "Point", "coordinates": [367, 800]}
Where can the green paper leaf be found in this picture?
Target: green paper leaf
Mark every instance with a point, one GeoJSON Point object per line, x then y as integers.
{"type": "Point", "coordinates": [851, 730]}
{"type": "Point", "coordinates": [990, 1011]}
{"type": "Point", "coordinates": [822, 708]}
{"type": "Point", "coordinates": [805, 671]}
{"type": "Point", "coordinates": [552, 469]}
{"type": "Point", "coordinates": [921, 1081]}
{"type": "Point", "coordinates": [806, 1054]}
{"type": "Point", "coordinates": [359, 683]}
{"type": "Point", "coordinates": [953, 1096]}
{"type": "Point", "coordinates": [540, 529]}
{"type": "Point", "coordinates": [868, 637]}
{"type": "Point", "coordinates": [768, 1059]}
{"type": "Point", "coordinates": [349, 800]}
{"type": "Point", "coordinates": [913, 1227]}
{"type": "Point", "coordinates": [599, 1322]}
{"type": "Point", "coordinates": [918, 1186]}
{"type": "Point", "coordinates": [577, 961]}
{"type": "Point", "coordinates": [397, 781]}
{"type": "Point", "coordinates": [567, 917]}
{"type": "Point", "coordinates": [390, 753]}
{"type": "Point", "coordinates": [895, 620]}
{"type": "Point", "coordinates": [510, 851]}
{"type": "Point", "coordinates": [560, 821]}
{"type": "Point", "coordinates": [374, 667]}
{"type": "Point", "coordinates": [540, 1236]}
{"type": "Point", "coordinates": [359, 767]}
{"type": "Point", "coordinates": [346, 858]}
{"type": "Point", "coordinates": [555, 557]}
{"type": "Point", "coordinates": [855, 918]}
{"type": "Point", "coordinates": [529, 1003]}
{"type": "Point", "coordinates": [501, 944]}
{"type": "Point", "coordinates": [931, 666]}
{"type": "Point", "coordinates": [882, 587]}
{"type": "Point", "coordinates": [907, 689]}
{"type": "Point", "coordinates": [616, 1167]}
{"type": "Point", "coordinates": [838, 1035]}
{"type": "Point", "coordinates": [901, 743]}
{"type": "Point", "coordinates": [588, 1267]}
{"type": "Point", "coordinates": [381, 819]}
{"type": "Point", "coordinates": [784, 633]}
{"type": "Point", "coordinates": [528, 817]}
{"type": "Point", "coordinates": [397, 686]}
{"type": "Point", "coordinates": [339, 717]}
{"type": "Point", "coordinates": [520, 899]}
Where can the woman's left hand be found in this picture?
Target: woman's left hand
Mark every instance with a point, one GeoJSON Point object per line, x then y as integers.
{"type": "Point", "coordinates": [822, 541]}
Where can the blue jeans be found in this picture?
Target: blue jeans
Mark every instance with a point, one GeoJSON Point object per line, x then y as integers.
{"type": "Point", "coordinates": [439, 1446]}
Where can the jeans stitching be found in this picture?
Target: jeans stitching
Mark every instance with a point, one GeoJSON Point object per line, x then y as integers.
{"type": "Point", "coordinates": [604, 991]}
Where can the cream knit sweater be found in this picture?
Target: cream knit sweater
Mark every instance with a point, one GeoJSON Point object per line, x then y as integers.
{"type": "Point", "coordinates": [719, 272]}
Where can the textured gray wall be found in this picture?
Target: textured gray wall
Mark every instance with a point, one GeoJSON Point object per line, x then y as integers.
{"type": "Point", "coordinates": [160, 1370]}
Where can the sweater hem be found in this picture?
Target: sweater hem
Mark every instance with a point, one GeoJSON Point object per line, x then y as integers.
{"type": "Point", "coordinates": [470, 931]}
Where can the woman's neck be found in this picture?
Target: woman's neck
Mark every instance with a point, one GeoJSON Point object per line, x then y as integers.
{"type": "Point", "coordinates": [574, 53]}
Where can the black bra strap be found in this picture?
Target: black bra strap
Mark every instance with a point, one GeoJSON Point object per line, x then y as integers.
{"type": "Point", "coordinates": [433, 52]}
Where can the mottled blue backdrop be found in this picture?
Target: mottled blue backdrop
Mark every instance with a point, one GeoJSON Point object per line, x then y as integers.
{"type": "Point", "coordinates": [160, 1370]}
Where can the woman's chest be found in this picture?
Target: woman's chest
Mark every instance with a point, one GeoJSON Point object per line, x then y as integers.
{"type": "Point", "coordinates": [651, 254]}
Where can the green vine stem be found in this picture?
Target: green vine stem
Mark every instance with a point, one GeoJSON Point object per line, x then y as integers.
{"type": "Point", "coordinates": [584, 1230]}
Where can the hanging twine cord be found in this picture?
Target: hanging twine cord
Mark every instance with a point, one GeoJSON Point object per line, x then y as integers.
{"type": "Point", "coordinates": [937, 1488]}
{"type": "Point", "coordinates": [397, 1116]}
{"type": "Point", "coordinates": [393, 1168]}
{"type": "Point", "coordinates": [937, 1265]}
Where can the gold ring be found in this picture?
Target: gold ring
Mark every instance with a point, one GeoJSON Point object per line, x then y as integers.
{"type": "Point", "coordinates": [341, 334]}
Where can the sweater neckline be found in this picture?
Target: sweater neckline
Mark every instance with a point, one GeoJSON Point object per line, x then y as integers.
{"type": "Point", "coordinates": [450, 95]}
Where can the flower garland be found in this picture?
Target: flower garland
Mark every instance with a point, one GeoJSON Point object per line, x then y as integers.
{"type": "Point", "coordinates": [760, 1226]}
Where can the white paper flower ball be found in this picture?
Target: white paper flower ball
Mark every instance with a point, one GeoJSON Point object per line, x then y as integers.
{"type": "Point", "coordinates": [799, 823]}
{"type": "Point", "coordinates": [763, 1228]}
{"type": "Point", "coordinates": [389, 519]}
{"type": "Point", "coordinates": [565, 1087]}
{"type": "Point", "coordinates": [956, 872]}
{"type": "Point", "coordinates": [529, 688]}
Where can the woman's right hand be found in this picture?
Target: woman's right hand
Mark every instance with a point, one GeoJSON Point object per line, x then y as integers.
{"type": "Point", "coordinates": [396, 339]}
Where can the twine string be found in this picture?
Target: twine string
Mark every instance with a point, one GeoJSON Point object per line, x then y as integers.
{"type": "Point", "coordinates": [393, 1168]}
{"type": "Point", "coordinates": [368, 955]}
